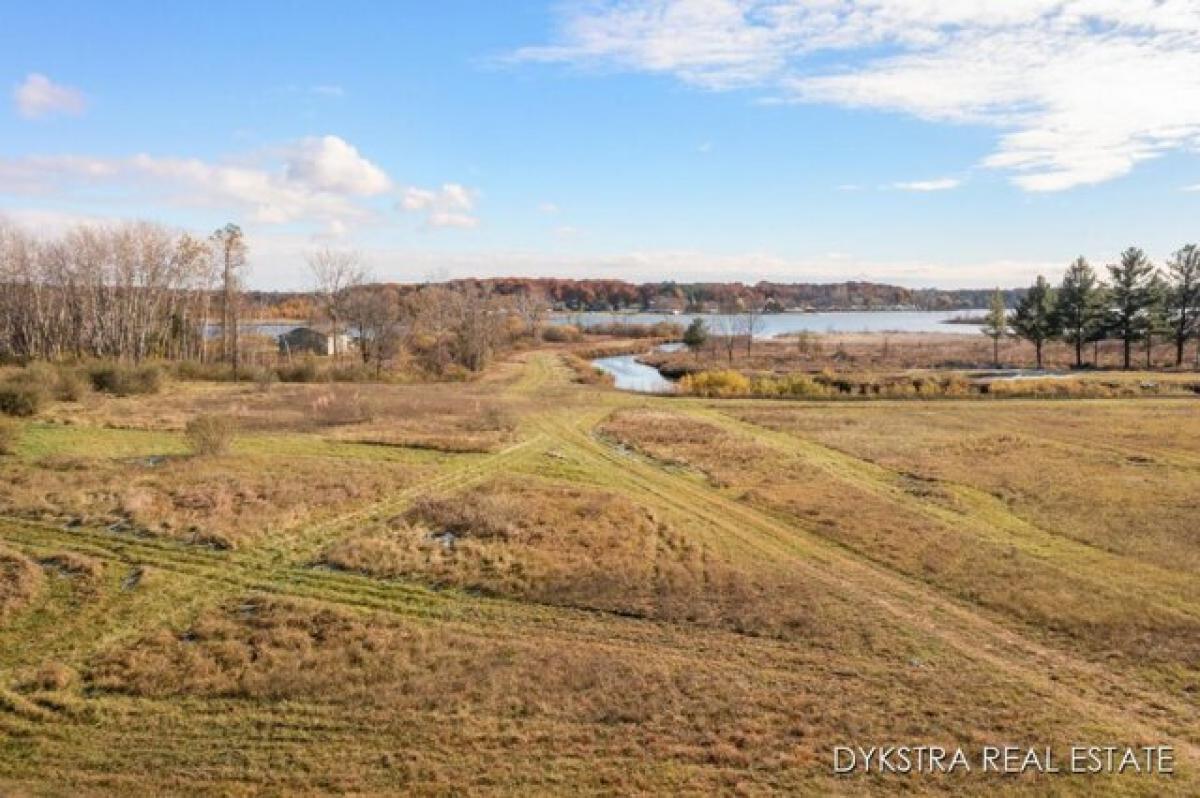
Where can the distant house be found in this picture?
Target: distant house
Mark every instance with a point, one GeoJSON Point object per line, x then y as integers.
{"type": "Point", "coordinates": [313, 340]}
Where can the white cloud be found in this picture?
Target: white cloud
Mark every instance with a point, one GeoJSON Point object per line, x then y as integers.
{"type": "Point", "coordinates": [450, 206]}
{"type": "Point", "coordinates": [548, 207]}
{"type": "Point", "coordinates": [941, 184]}
{"type": "Point", "coordinates": [39, 97]}
{"type": "Point", "coordinates": [1192, 188]}
{"type": "Point", "coordinates": [329, 163]}
{"type": "Point", "coordinates": [328, 90]}
{"type": "Point", "coordinates": [320, 181]}
{"type": "Point", "coordinates": [1081, 90]}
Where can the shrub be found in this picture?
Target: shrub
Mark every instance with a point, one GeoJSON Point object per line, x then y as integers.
{"type": "Point", "coordinates": [561, 333]}
{"type": "Point", "coordinates": [301, 371]}
{"type": "Point", "coordinates": [126, 380]}
{"type": "Point", "coordinates": [788, 386]}
{"type": "Point", "coordinates": [210, 434]}
{"type": "Point", "coordinates": [70, 386]}
{"type": "Point", "coordinates": [18, 398]}
{"type": "Point", "coordinates": [715, 384]}
{"type": "Point", "coordinates": [10, 436]}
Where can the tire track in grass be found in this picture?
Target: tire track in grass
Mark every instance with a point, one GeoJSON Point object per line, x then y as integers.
{"type": "Point", "coordinates": [986, 517]}
{"type": "Point", "coordinates": [1088, 688]}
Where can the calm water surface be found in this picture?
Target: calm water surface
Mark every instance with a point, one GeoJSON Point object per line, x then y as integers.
{"type": "Point", "coordinates": [630, 375]}
{"type": "Point", "coordinates": [773, 324]}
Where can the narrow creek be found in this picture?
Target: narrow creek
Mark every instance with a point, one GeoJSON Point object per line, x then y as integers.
{"type": "Point", "coordinates": [630, 375]}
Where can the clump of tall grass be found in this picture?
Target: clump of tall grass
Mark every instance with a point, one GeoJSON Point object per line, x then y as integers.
{"type": "Point", "coordinates": [20, 581]}
{"type": "Point", "coordinates": [483, 516]}
{"type": "Point", "coordinates": [341, 406]}
{"type": "Point", "coordinates": [210, 434]}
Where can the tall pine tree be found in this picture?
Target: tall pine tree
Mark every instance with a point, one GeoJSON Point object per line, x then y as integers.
{"type": "Point", "coordinates": [1035, 319]}
{"type": "Point", "coordinates": [1183, 299]}
{"type": "Point", "coordinates": [1129, 298]}
{"type": "Point", "coordinates": [1077, 307]}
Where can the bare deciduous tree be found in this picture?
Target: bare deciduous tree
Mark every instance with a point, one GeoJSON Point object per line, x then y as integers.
{"type": "Point", "coordinates": [127, 292]}
{"type": "Point", "coordinates": [337, 273]}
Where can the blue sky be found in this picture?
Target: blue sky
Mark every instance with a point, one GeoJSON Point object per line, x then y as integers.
{"type": "Point", "coordinates": [921, 142]}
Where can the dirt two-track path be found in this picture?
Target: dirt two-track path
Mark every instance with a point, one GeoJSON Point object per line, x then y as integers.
{"type": "Point", "coordinates": [1063, 677]}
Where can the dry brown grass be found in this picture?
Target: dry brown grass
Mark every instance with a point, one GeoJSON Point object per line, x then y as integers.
{"type": "Point", "coordinates": [20, 581]}
{"type": "Point", "coordinates": [470, 418]}
{"type": "Point", "coordinates": [707, 615]}
{"type": "Point", "coordinates": [221, 501]}
{"type": "Point", "coordinates": [578, 547]}
{"type": "Point", "coordinates": [73, 564]}
{"type": "Point", "coordinates": [1105, 477]}
{"type": "Point", "coordinates": [735, 714]}
{"type": "Point", "coordinates": [913, 521]}
{"type": "Point", "coordinates": [895, 351]}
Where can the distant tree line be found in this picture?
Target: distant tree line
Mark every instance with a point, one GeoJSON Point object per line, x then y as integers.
{"type": "Point", "coordinates": [1138, 304]}
{"type": "Point", "coordinates": [617, 295]}
{"type": "Point", "coordinates": [138, 291]}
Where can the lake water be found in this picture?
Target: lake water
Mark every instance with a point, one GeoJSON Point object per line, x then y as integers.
{"type": "Point", "coordinates": [274, 329]}
{"type": "Point", "coordinates": [847, 321]}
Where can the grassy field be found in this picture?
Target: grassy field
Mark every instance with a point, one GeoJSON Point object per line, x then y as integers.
{"type": "Point", "coordinates": [525, 584]}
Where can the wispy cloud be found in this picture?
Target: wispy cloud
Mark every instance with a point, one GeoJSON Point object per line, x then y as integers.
{"type": "Point", "coordinates": [1080, 90]}
{"type": "Point", "coordinates": [941, 184]}
{"type": "Point", "coordinates": [452, 205]}
{"type": "Point", "coordinates": [548, 208]}
{"type": "Point", "coordinates": [38, 96]}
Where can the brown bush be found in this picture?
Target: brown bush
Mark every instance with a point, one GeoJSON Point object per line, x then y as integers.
{"type": "Point", "coordinates": [561, 334]}
{"type": "Point", "coordinates": [210, 434]}
{"type": "Point", "coordinates": [20, 399]}
{"type": "Point", "coordinates": [126, 380]}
